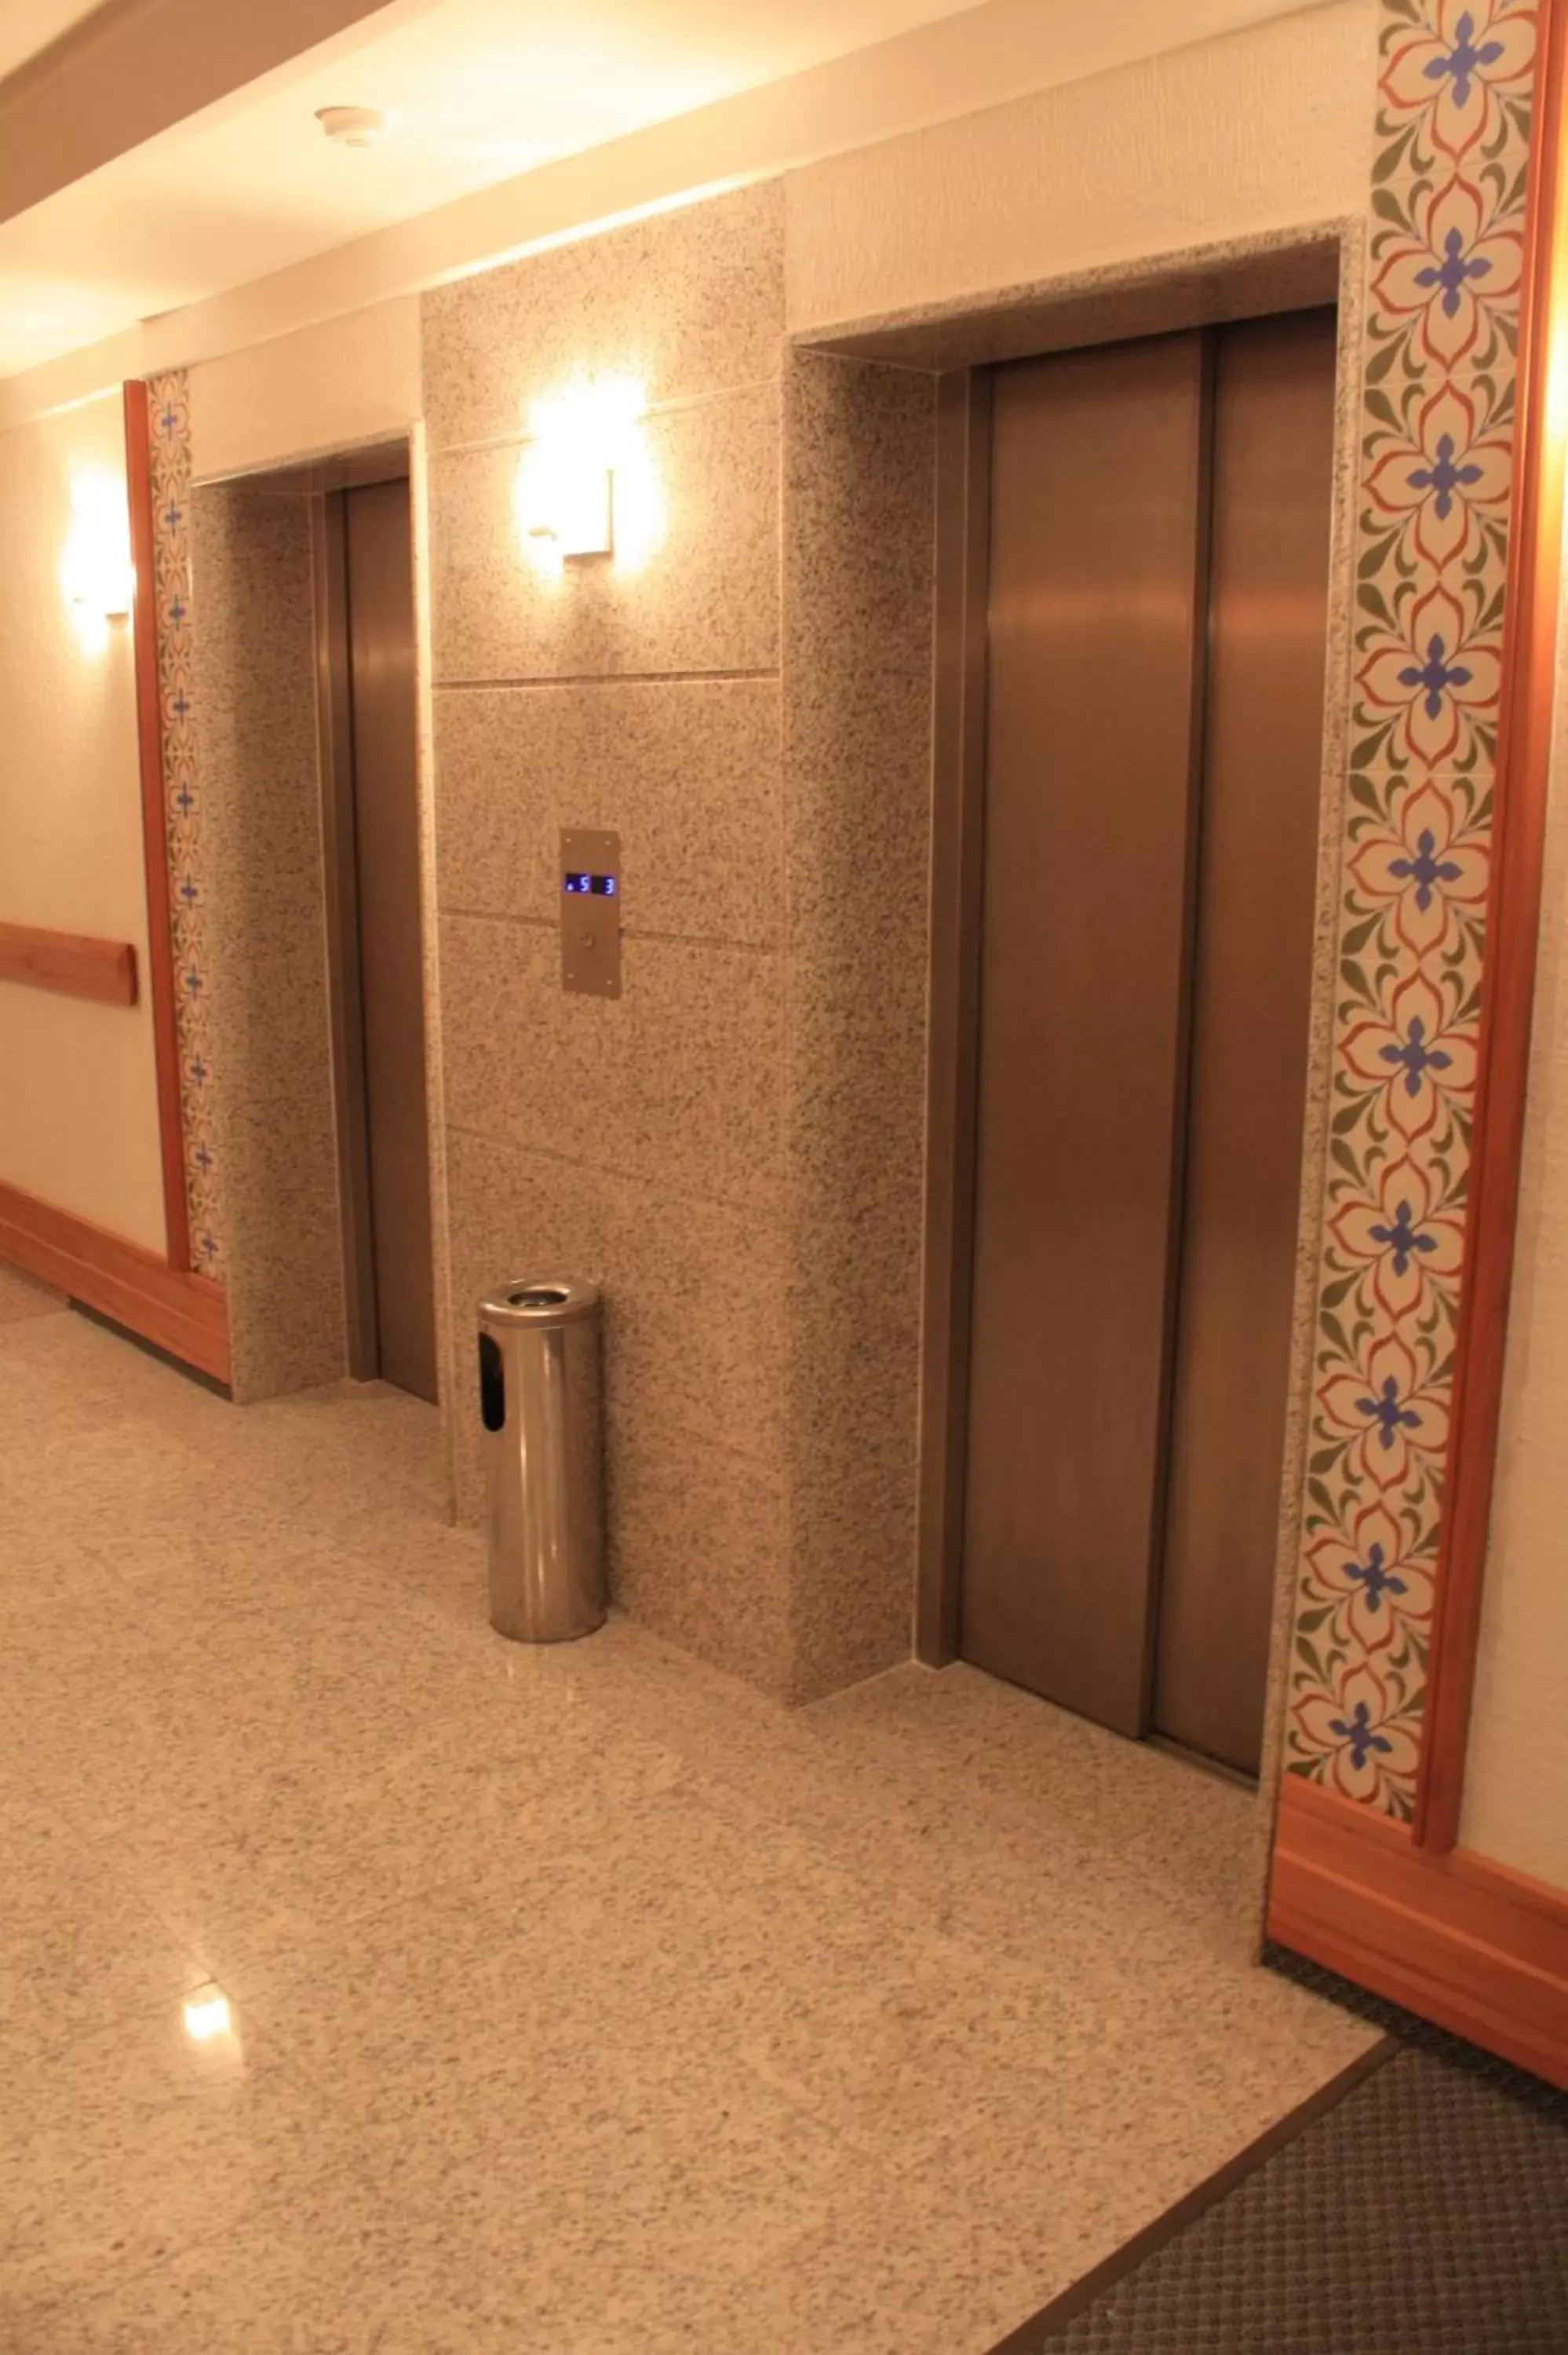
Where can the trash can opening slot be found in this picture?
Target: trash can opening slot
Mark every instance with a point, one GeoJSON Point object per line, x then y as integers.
{"type": "Point", "coordinates": [540, 1295]}
{"type": "Point", "coordinates": [491, 1385]}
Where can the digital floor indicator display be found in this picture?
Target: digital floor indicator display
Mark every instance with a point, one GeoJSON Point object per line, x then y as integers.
{"type": "Point", "coordinates": [590, 911]}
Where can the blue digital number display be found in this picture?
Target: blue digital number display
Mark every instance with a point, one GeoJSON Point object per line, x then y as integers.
{"type": "Point", "coordinates": [601, 886]}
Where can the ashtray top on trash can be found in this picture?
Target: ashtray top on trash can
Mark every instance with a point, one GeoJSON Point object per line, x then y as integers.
{"type": "Point", "coordinates": [549, 1300]}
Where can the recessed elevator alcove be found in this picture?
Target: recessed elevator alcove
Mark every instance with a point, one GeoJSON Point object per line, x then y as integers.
{"type": "Point", "coordinates": [1155, 625]}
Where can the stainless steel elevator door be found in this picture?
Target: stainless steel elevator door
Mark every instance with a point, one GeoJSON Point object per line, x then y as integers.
{"type": "Point", "coordinates": [1096, 497]}
{"type": "Point", "coordinates": [387, 851]}
{"type": "Point", "coordinates": [1158, 610]}
{"type": "Point", "coordinates": [1274, 444]}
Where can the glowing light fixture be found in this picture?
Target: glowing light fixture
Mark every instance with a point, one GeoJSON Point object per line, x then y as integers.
{"type": "Point", "coordinates": [207, 2015]}
{"type": "Point", "coordinates": [585, 485]}
{"type": "Point", "coordinates": [96, 571]}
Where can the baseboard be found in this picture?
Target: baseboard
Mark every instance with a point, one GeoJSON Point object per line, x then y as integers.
{"type": "Point", "coordinates": [1478, 1948]}
{"type": "Point", "coordinates": [182, 1312]}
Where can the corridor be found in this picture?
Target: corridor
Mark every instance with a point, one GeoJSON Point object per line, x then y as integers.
{"type": "Point", "coordinates": [368, 1983]}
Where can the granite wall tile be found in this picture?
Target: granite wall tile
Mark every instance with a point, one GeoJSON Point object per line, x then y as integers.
{"type": "Point", "coordinates": [706, 598]}
{"type": "Point", "coordinates": [857, 1086]}
{"type": "Point", "coordinates": [638, 1141]}
{"type": "Point", "coordinates": [675, 1081]}
{"type": "Point", "coordinates": [452, 1397]}
{"type": "Point", "coordinates": [255, 673]}
{"type": "Point", "coordinates": [689, 301]}
{"type": "Point", "coordinates": [686, 772]}
{"type": "Point", "coordinates": [699, 1550]}
{"type": "Point", "coordinates": [694, 1326]}
{"type": "Point", "coordinates": [858, 571]}
{"type": "Point", "coordinates": [860, 518]}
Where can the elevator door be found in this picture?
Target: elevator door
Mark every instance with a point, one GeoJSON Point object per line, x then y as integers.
{"type": "Point", "coordinates": [1157, 616]}
{"type": "Point", "coordinates": [1251, 1007]}
{"type": "Point", "coordinates": [387, 851]}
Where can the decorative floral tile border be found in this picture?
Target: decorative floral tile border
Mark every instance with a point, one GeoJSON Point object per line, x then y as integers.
{"type": "Point", "coordinates": [1438, 395]}
{"type": "Point", "coordinates": [169, 432]}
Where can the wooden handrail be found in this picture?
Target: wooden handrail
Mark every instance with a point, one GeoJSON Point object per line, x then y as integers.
{"type": "Point", "coordinates": [76, 964]}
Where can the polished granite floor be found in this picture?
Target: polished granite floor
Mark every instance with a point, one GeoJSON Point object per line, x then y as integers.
{"type": "Point", "coordinates": [368, 1983]}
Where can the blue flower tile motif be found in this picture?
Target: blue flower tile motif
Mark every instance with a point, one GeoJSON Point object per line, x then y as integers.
{"type": "Point", "coordinates": [1359, 1734]}
{"type": "Point", "coordinates": [1417, 1057]}
{"type": "Point", "coordinates": [1426, 868]}
{"type": "Point", "coordinates": [1443, 477]}
{"type": "Point", "coordinates": [1375, 1579]}
{"type": "Point", "coordinates": [1402, 1240]}
{"type": "Point", "coordinates": [1437, 676]}
{"type": "Point", "coordinates": [1459, 65]}
{"type": "Point", "coordinates": [1386, 1411]}
{"type": "Point", "coordinates": [1452, 272]}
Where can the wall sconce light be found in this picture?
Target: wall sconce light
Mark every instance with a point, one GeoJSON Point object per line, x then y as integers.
{"type": "Point", "coordinates": [584, 485]}
{"type": "Point", "coordinates": [96, 571]}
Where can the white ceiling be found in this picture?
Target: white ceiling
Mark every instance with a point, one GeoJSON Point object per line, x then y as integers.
{"type": "Point", "coordinates": [479, 90]}
{"type": "Point", "coordinates": [29, 26]}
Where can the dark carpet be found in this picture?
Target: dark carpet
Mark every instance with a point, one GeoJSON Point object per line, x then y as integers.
{"type": "Point", "coordinates": [1422, 2212]}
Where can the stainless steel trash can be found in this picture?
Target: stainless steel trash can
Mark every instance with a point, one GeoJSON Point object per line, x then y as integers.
{"type": "Point", "coordinates": [539, 1390]}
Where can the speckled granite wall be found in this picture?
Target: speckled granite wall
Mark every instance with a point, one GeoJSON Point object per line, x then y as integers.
{"type": "Point", "coordinates": [640, 1141]}
{"type": "Point", "coordinates": [859, 544]}
{"type": "Point", "coordinates": [708, 1146]}
{"type": "Point", "coordinates": [255, 682]}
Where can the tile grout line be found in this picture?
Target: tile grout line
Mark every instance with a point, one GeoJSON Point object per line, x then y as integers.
{"type": "Point", "coordinates": [528, 681]}
{"type": "Point", "coordinates": [675, 404]}
{"type": "Point", "coordinates": [742, 1202]}
{"type": "Point", "coordinates": [631, 931]}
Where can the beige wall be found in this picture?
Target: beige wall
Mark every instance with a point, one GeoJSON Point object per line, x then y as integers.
{"type": "Point", "coordinates": [79, 1116]}
{"type": "Point", "coordinates": [1516, 1788]}
{"type": "Point", "coordinates": [1267, 128]}
{"type": "Point", "coordinates": [351, 380]}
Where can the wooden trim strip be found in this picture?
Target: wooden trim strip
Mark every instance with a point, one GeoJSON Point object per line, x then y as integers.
{"type": "Point", "coordinates": [176, 1309]}
{"type": "Point", "coordinates": [1469, 1944]}
{"type": "Point", "coordinates": [76, 964]}
{"type": "Point", "coordinates": [1508, 989]}
{"type": "Point", "coordinates": [155, 831]}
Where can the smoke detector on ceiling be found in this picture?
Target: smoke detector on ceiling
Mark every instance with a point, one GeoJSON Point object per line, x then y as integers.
{"type": "Point", "coordinates": [352, 126]}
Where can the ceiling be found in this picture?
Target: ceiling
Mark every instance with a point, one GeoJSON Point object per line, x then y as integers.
{"type": "Point", "coordinates": [478, 91]}
{"type": "Point", "coordinates": [29, 26]}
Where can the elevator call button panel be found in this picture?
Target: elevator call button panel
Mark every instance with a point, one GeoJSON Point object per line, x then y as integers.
{"type": "Point", "coordinates": [590, 910]}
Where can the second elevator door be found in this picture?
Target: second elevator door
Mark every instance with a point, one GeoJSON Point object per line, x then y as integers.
{"type": "Point", "coordinates": [1157, 620]}
{"type": "Point", "coordinates": [380, 614]}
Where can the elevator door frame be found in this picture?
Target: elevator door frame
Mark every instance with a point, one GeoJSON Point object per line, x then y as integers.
{"type": "Point", "coordinates": [957, 850]}
{"type": "Point", "coordinates": [327, 485]}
